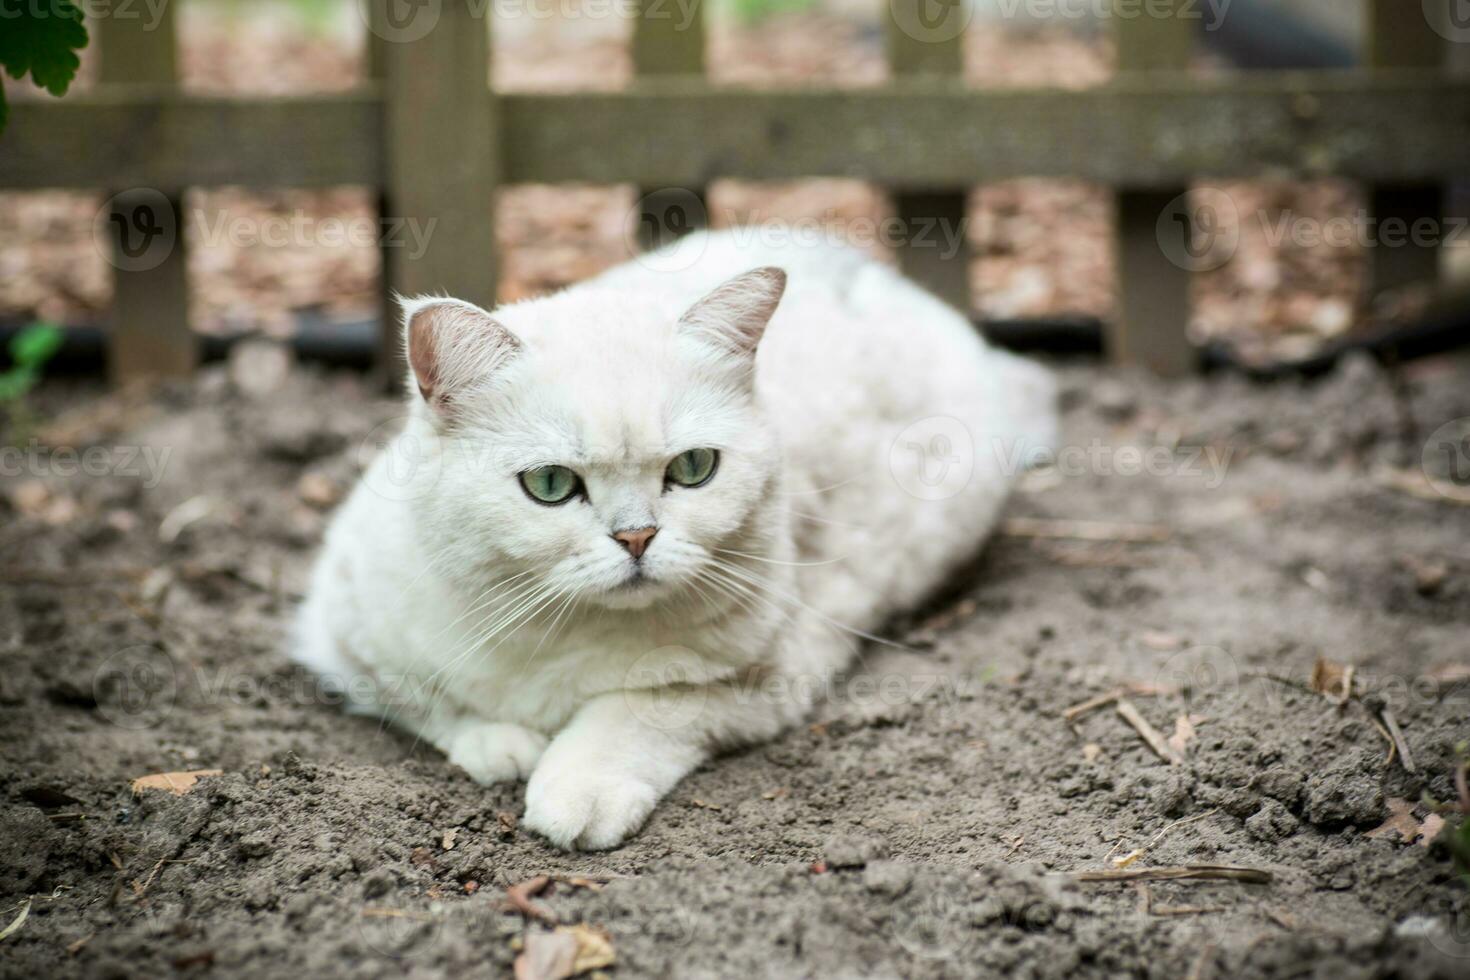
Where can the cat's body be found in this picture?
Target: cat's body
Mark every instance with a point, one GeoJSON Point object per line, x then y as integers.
{"type": "Point", "coordinates": [524, 640]}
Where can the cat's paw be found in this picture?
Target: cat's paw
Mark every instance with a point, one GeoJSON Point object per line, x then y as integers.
{"type": "Point", "coordinates": [583, 805]}
{"type": "Point", "coordinates": [495, 752]}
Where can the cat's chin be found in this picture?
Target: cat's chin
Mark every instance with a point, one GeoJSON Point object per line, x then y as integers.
{"type": "Point", "coordinates": [635, 593]}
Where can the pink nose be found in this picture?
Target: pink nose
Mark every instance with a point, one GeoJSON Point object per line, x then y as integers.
{"type": "Point", "coordinates": [636, 540]}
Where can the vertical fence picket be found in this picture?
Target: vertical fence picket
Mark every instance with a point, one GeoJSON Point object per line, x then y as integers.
{"type": "Point", "coordinates": [442, 158]}
{"type": "Point", "coordinates": [934, 250]}
{"type": "Point", "coordinates": [1153, 290]}
{"type": "Point", "coordinates": [668, 40]}
{"type": "Point", "coordinates": [1400, 35]}
{"type": "Point", "coordinates": [150, 307]}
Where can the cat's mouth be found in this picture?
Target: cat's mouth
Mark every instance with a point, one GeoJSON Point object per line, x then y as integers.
{"type": "Point", "coordinates": [636, 590]}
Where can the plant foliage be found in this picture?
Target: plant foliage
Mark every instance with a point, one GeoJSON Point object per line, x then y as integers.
{"type": "Point", "coordinates": [40, 38]}
{"type": "Point", "coordinates": [29, 351]}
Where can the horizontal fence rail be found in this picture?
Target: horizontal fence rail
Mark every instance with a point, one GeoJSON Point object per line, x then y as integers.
{"type": "Point", "coordinates": [1397, 126]}
{"type": "Point", "coordinates": [429, 135]}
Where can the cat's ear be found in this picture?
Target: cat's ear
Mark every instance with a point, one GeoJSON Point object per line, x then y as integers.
{"type": "Point", "coordinates": [735, 315]}
{"type": "Point", "coordinates": [452, 346]}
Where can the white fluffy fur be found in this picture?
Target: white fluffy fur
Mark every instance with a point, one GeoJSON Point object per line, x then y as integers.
{"type": "Point", "coordinates": [505, 632]}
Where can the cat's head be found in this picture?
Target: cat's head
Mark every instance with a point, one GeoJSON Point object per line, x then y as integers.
{"type": "Point", "coordinates": [594, 443]}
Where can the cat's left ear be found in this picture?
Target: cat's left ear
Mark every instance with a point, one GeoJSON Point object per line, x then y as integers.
{"type": "Point", "coordinates": [452, 346]}
{"type": "Point", "coordinates": [735, 315]}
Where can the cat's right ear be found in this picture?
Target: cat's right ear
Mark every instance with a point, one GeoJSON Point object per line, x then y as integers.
{"type": "Point", "coordinates": [452, 346]}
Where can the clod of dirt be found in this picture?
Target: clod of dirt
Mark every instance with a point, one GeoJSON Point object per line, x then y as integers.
{"type": "Point", "coordinates": [1281, 784]}
{"type": "Point", "coordinates": [888, 878]}
{"type": "Point", "coordinates": [853, 850]}
{"type": "Point", "coordinates": [1272, 822]}
{"type": "Point", "coordinates": [1346, 794]}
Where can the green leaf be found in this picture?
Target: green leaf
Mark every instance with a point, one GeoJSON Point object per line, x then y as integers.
{"type": "Point", "coordinates": [36, 344]}
{"type": "Point", "coordinates": [15, 383]}
{"type": "Point", "coordinates": [41, 38]}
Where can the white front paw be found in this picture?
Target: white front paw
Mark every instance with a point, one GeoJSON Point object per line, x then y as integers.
{"type": "Point", "coordinates": [586, 804]}
{"type": "Point", "coordinates": [495, 753]}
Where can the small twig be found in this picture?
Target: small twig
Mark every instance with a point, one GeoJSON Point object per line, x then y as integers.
{"type": "Point", "coordinates": [1214, 872]}
{"type": "Point", "coordinates": [1103, 700]}
{"type": "Point", "coordinates": [519, 897]}
{"type": "Point", "coordinates": [1197, 971]}
{"type": "Point", "coordinates": [1153, 842]}
{"type": "Point", "coordinates": [374, 913]}
{"type": "Point", "coordinates": [1034, 527]}
{"type": "Point", "coordinates": [1397, 734]}
{"type": "Point", "coordinates": [140, 889]}
{"type": "Point", "coordinates": [1149, 733]}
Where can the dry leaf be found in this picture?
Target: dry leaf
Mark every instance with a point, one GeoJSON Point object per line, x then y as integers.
{"type": "Point", "coordinates": [18, 921]}
{"type": "Point", "coordinates": [1430, 829]}
{"type": "Point", "coordinates": [1159, 640]}
{"type": "Point", "coordinates": [1183, 732]}
{"type": "Point", "coordinates": [594, 948]}
{"type": "Point", "coordinates": [1450, 673]}
{"type": "Point", "coordinates": [546, 956]}
{"type": "Point", "coordinates": [780, 793]}
{"type": "Point", "coordinates": [177, 783]}
{"type": "Point", "coordinates": [321, 492]}
{"type": "Point", "coordinates": [1402, 822]}
{"type": "Point", "coordinates": [1332, 679]}
{"type": "Point", "coordinates": [520, 898]}
{"type": "Point", "coordinates": [568, 951]}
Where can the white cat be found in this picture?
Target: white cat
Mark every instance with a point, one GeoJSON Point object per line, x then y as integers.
{"type": "Point", "coordinates": [644, 519]}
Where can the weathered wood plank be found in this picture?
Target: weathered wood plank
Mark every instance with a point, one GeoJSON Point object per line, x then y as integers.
{"type": "Point", "coordinates": [442, 160]}
{"type": "Point", "coordinates": [1404, 38]}
{"type": "Point", "coordinates": [148, 136]}
{"type": "Point", "coordinates": [1153, 290]}
{"type": "Point", "coordinates": [669, 40]}
{"type": "Point", "coordinates": [1154, 131]}
{"type": "Point", "coordinates": [923, 47]}
{"type": "Point", "coordinates": [1408, 126]}
{"type": "Point", "coordinates": [150, 303]}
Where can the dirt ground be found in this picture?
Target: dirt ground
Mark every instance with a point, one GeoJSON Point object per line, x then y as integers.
{"type": "Point", "coordinates": [924, 825]}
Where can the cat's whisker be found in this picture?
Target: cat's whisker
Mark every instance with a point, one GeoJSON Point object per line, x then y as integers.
{"type": "Point", "coordinates": [568, 599]}
{"type": "Point", "coordinates": [759, 583]}
{"type": "Point", "coordinates": [773, 561]}
{"type": "Point", "coordinates": [519, 618]}
{"type": "Point", "coordinates": [816, 490]}
{"type": "Point", "coordinates": [479, 632]}
{"type": "Point", "coordinates": [824, 520]}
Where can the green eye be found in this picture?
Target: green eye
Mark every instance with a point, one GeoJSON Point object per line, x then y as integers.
{"type": "Point", "coordinates": [693, 468]}
{"type": "Point", "coordinates": [550, 484]}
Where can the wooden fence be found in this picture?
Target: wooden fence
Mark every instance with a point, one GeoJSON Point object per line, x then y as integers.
{"type": "Point", "coordinates": [437, 142]}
